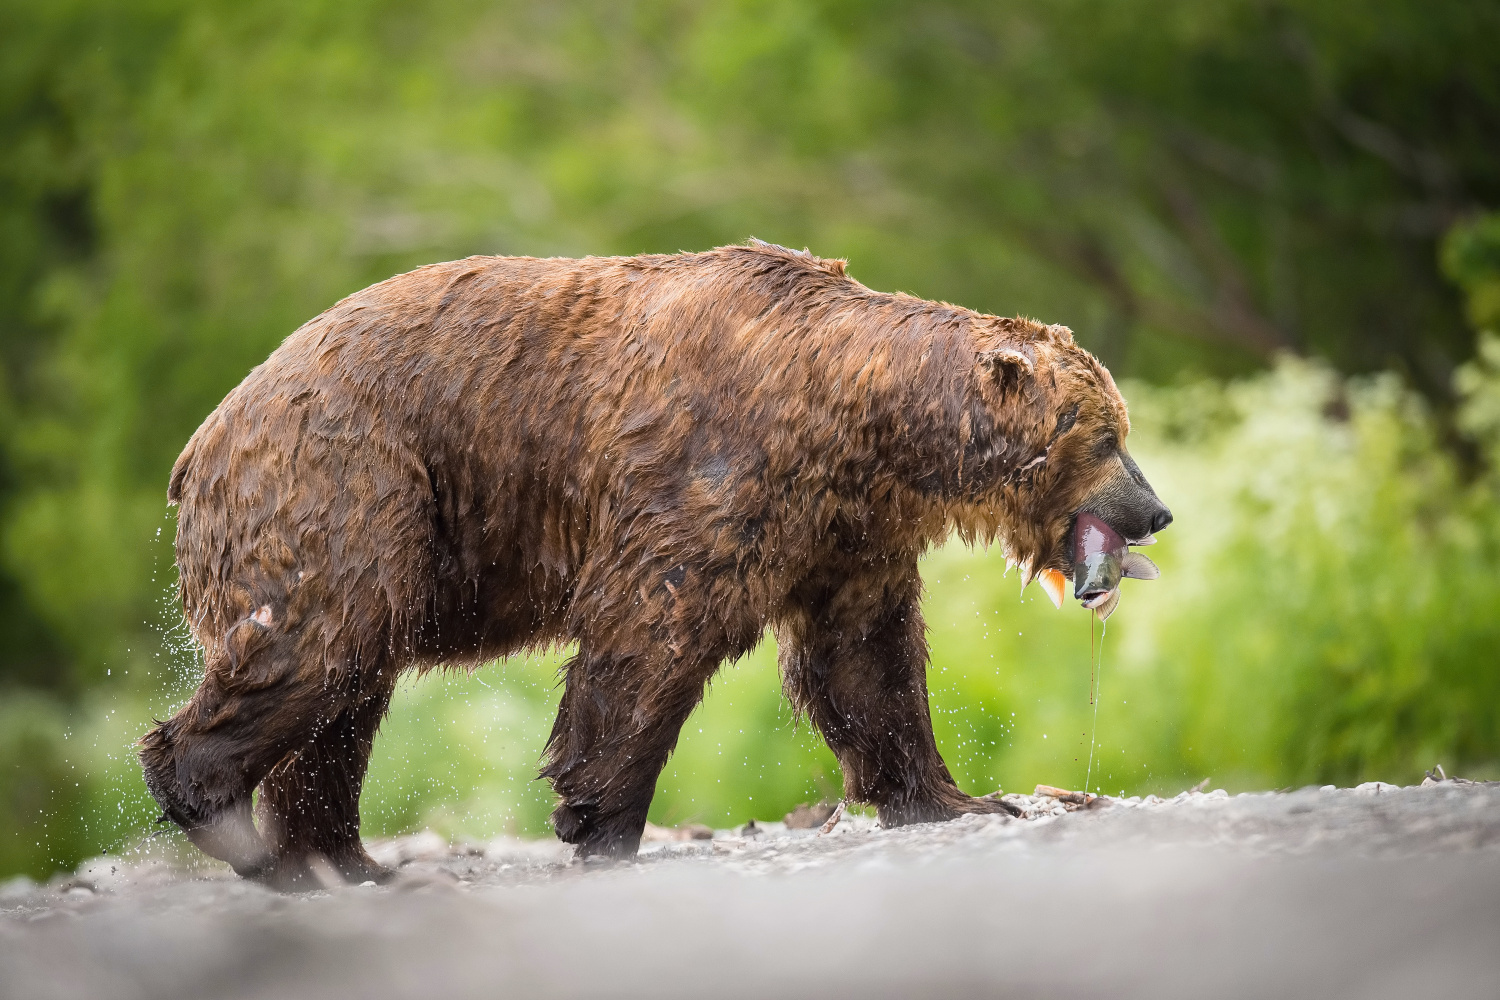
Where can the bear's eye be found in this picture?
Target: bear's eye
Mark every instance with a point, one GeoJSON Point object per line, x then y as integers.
{"type": "Point", "coordinates": [1107, 445]}
{"type": "Point", "coordinates": [1065, 421]}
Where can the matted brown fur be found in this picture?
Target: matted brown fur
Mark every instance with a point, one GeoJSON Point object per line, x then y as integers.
{"type": "Point", "coordinates": [654, 457]}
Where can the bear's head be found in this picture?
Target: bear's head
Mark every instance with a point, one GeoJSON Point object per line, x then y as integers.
{"type": "Point", "coordinates": [1068, 500]}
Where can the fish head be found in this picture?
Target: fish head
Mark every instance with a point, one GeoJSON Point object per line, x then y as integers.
{"type": "Point", "coordinates": [1123, 511]}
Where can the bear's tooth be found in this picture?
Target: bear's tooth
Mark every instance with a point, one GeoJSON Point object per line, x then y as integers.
{"type": "Point", "coordinates": [1053, 583]}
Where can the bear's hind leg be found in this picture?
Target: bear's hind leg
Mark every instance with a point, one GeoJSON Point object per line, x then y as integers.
{"type": "Point", "coordinates": [308, 808]}
{"type": "Point", "coordinates": [854, 660]}
{"type": "Point", "coordinates": [203, 764]}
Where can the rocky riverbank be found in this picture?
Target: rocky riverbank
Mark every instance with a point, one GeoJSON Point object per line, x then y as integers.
{"type": "Point", "coordinates": [1373, 891]}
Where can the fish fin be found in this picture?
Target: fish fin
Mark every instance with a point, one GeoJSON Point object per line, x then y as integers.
{"type": "Point", "coordinates": [1138, 567]}
{"type": "Point", "coordinates": [1053, 583]}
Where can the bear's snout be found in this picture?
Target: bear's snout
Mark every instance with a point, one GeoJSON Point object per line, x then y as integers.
{"type": "Point", "coordinates": [1161, 520]}
{"type": "Point", "coordinates": [1126, 502]}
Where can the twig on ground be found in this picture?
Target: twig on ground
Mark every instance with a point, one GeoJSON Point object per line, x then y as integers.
{"type": "Point", "coordinates": [833, 821]}
{"type": "Point", "coordinates": [1064, 795]}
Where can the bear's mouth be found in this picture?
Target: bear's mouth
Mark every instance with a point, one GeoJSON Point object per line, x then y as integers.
{"type": "Point", "coordinates": [1101, 559]}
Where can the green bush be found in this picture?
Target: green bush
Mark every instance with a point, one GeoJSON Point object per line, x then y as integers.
{"type": "Point", "coordinates": [41, 793]}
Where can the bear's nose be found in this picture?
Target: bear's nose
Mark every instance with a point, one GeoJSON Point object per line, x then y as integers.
{"type": "Point", "coordinates": [1161, 520]}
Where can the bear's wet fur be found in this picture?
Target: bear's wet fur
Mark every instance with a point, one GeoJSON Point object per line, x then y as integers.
{"type": "Point", "coordinates": [653, 457]}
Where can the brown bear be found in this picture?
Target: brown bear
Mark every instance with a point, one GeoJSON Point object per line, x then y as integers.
{"type": "Point", "coordinates": [653, 457]}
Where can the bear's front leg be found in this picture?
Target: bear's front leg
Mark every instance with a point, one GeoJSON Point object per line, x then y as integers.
{"type": "Point", "coordinates": [618, 722]}
{"type": "Point", "coordinates": [854, 660]}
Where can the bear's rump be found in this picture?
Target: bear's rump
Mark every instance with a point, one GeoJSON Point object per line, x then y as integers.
{"type": "Point", "coordinates": [363, 539]}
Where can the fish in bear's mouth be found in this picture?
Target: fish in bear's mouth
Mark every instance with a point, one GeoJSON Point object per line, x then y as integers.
{"type": "Point", "coordinates": [1101, 559]}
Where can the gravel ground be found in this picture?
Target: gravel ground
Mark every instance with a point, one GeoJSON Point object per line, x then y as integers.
{"type": "Point", "coordinates": [1376, 891]}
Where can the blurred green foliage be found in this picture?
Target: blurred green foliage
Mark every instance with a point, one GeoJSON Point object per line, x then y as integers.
{"type": "Point", "coordinates": [1471, 256]}
{"type": "Point", "coordinates": [1193, 188]}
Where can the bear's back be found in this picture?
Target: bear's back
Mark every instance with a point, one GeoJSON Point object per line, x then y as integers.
{"type": "Point", "coordinates": [455, 354]}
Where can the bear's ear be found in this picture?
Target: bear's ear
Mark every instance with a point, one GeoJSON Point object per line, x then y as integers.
{"type": "Point", "coordinates": [1007, 365]}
